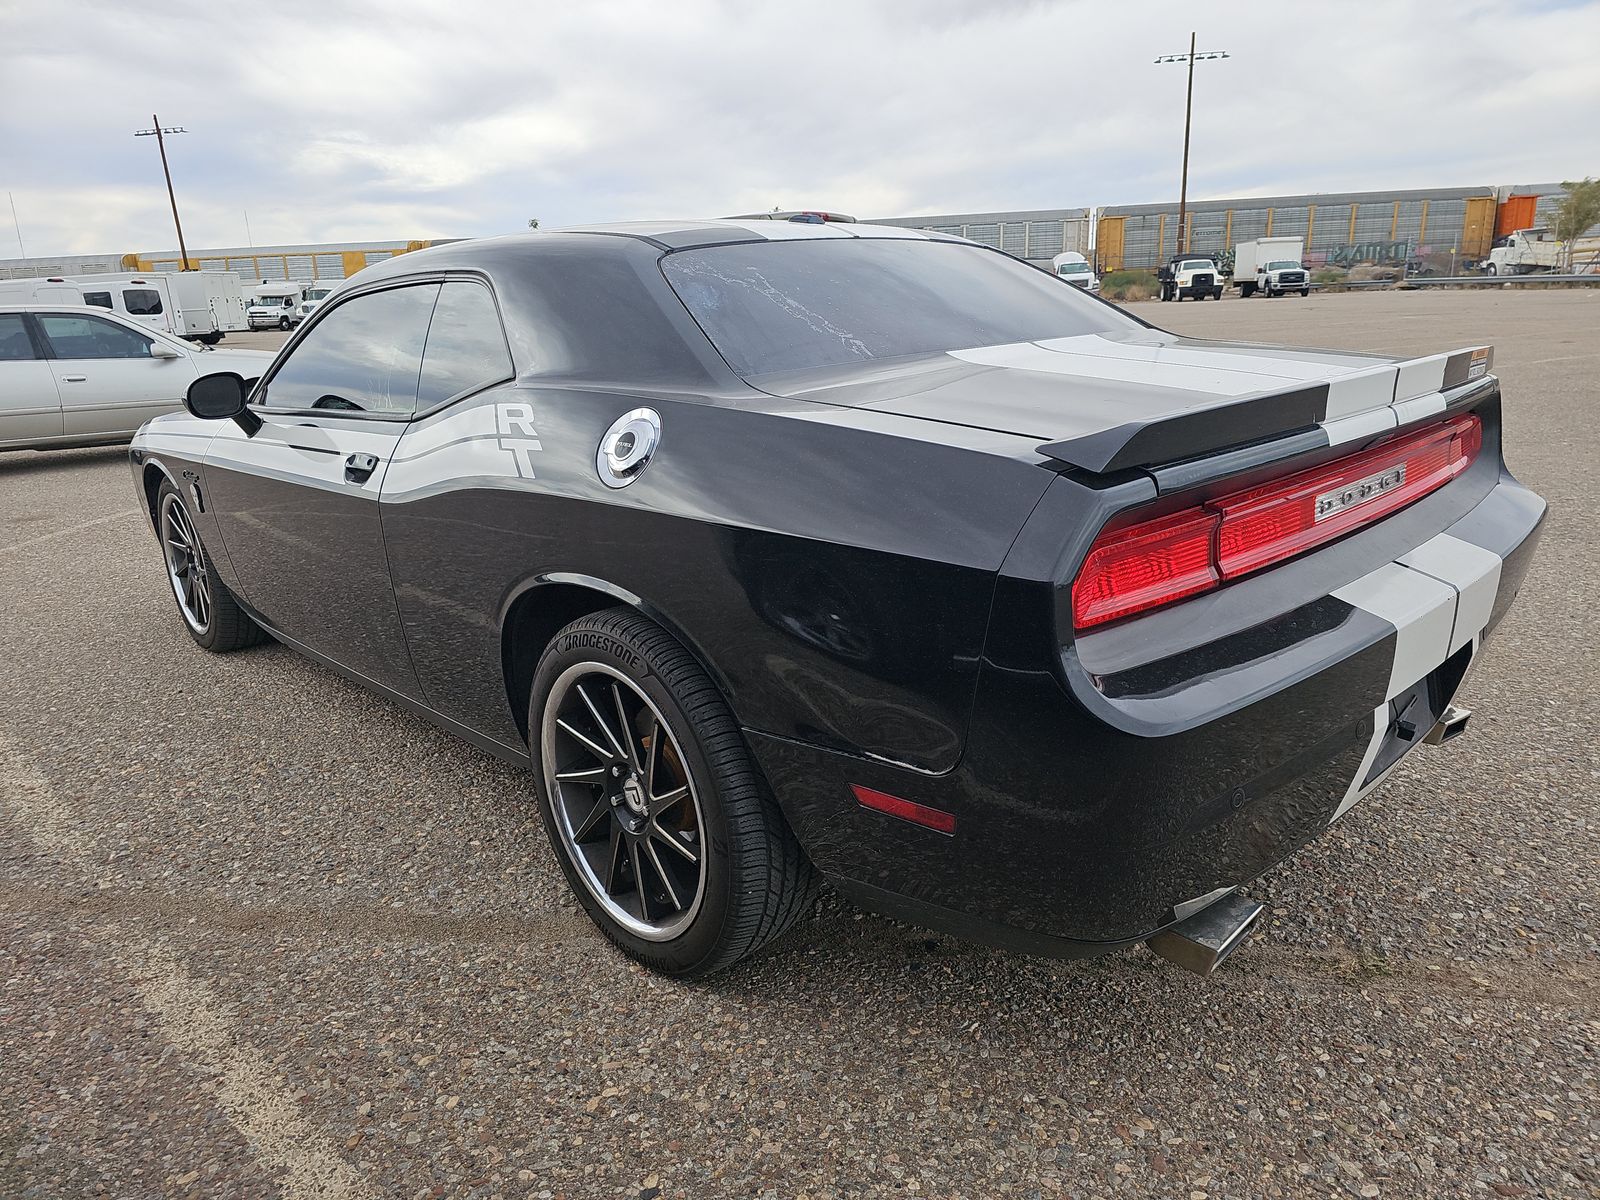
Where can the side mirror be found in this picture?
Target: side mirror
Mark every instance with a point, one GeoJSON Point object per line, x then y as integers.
{"type": "Point", "coordinates": [222, 396]}
{"type": "Point", "coordinates": [161, 350]}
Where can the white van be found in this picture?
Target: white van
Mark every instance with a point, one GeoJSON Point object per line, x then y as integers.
{"type": "Point", "coordinates": [40, 291]}
{"type": "Point", "coordinates": [200, 306]}
{"type": "Point", "coordinates": [275, 305]}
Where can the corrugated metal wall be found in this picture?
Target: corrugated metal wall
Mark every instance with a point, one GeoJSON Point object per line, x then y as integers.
{"type": "Point", "coordinates": [1037, 236]}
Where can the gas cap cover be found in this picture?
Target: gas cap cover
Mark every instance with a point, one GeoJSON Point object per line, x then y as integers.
{"type": "Point", "coordinates": [626, 448]}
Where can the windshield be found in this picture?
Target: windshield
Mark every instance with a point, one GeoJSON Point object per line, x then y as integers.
{"type": "Point", "coordinates": [1284, 265]}
{"type": "Point", "coordinates": [317, 293]}
{"type": "Point", "coordinates": [271, 301]}
{"type": "Point", "coordinates": [797, 305]}
{"type": "Point", "coordinates": [1073, 269]}
{"type": "Point", "coordinates": [1198, 264]}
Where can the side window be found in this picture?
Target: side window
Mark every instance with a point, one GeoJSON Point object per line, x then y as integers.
{"type": "Point", "coordinates": [363, 356]}
{"type": "Point", "coordinates": [466, 346]}
{"type": "Point", "coordinates": [141, 302]}
{"type": "Point", "coordinates": [92, 337]}
{"type": "Point", "coordinates": [98, 300]}
{"type": "Point", "coordinates": [15, 345]}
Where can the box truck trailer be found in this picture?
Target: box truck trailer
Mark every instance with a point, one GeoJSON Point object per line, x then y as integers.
{"type": "Point", "coordinates": [1271, 266]}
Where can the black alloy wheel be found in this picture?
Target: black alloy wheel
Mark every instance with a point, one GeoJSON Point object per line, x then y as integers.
{"type": "Point", "coordinates": [667, 833]}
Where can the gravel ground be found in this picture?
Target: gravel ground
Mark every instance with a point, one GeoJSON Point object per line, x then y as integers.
{"type": "Point", "coordinates": [266, 935]}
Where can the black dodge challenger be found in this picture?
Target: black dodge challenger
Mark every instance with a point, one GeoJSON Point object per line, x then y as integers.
{"type": "Point", "coordinates": [784, 550]}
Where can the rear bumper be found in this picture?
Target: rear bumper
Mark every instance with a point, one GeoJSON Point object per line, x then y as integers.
{"type": "Point", "coordinates": [1092, 805]}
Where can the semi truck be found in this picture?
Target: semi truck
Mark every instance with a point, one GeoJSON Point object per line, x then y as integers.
{"type": "Point", "coordinates": [1533, 251]}
{"type": "Point", "coordinates": [1271, 266]}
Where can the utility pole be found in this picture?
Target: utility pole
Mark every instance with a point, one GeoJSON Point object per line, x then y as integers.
{"type": "Point", "coordinates": [1188, 115]}
{"type": "Point", "coordinates": [157, 131]}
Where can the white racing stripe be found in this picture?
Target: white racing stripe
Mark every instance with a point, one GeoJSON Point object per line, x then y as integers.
{"type": "Point", "coordinates": [1359, 426]}
{"type": "Point", "coordinates": [1420, 376]}
{"type": "Point", "coordinates": [784, 231]}
{"type": "Point", "coordinates": [1353, 793]}
{"type": "Point", "coordinates": [1422, 611]}
{"type": "Point", "coordinates": [1027, 356]}
{"type": "Point", "coordinates": [1360, 391]}
{"type": "Point", "coordinates": [859, 229]}
{"type": "Point", "coordinates": [1471, 570]}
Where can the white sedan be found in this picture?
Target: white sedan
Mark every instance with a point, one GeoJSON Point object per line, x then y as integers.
{"type": "Point", "coordinates": [75, 376]}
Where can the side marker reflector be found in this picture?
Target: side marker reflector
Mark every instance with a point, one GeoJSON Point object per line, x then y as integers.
{"type": "Point", "coordinates": [907, 810]}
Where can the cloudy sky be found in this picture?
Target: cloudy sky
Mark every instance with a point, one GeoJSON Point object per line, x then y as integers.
{"type": "Point", "coordinates": [381, 119]}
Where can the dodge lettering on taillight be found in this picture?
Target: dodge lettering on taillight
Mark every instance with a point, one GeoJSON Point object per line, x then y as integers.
{"type": "Point", "coordinates": [1339, 499]}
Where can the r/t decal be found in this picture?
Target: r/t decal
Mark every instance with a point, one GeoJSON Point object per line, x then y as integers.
{"type": "Point", "coordinates": [514, 425]}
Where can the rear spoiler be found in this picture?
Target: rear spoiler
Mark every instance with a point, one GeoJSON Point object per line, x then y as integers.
{"type": "Point", "coordinates": [1331, 407]}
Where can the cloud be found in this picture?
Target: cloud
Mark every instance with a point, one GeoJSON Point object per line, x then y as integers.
{"type": "Point", "coordinates": [404, 118]}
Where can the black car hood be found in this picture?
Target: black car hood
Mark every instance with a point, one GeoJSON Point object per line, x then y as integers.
{"type": "Point", "coordinates": [1108, 401]}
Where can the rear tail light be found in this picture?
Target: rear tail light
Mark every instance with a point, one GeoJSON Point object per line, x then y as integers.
{"type": "Point", "coordinates": [1146, 565]}
{"type": "Point", "coordinates": [1140, 567]}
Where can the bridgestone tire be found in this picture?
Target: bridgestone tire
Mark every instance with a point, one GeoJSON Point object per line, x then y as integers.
{"type": "Point", "coordinates": [229, 627]}
{"type": "Point", "coordinates": [758, 882]}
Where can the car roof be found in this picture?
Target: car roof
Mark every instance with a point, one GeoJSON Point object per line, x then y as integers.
{"type": "Point", "coordinates": [720, 231]}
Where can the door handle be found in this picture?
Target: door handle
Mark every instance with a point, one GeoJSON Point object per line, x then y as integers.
{"type": "Point", "coordinates": [74, 379]}
{"type": "Point", "coordinates": [358, 468]}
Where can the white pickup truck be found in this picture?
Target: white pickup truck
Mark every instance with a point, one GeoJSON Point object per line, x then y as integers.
{"type": "Point", "coordinates": [1529, 251]}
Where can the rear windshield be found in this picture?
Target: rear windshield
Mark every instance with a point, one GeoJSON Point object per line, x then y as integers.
{"type": "Point", "coordinates": [799, 305]}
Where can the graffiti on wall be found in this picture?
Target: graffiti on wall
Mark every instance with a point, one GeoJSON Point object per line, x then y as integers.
{"type": "Point", "coordinates": [1352, 253]}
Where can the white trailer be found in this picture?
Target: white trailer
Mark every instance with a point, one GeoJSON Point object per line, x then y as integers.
{"type": "Point", "coordinates": [201, 306]}
{"type": "Point", "coordinates": [1529, 251]}
{"type": "Point", "coordinates": [1271, 265]}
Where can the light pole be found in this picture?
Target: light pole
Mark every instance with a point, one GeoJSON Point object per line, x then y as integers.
{"type": "Point", "coordinates": [157, 132]}
{"type": "Point", "coordinates": [1188, 112]}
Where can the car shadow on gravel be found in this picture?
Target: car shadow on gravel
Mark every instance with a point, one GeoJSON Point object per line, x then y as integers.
{"type": "Point", "coordinates": [16, 463]}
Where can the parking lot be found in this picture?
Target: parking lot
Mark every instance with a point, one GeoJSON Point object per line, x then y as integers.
{"type": "Point", "coordinates": [267, 935]}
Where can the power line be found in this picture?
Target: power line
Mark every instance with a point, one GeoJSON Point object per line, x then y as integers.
{"type": "Point", "coordinates": [158, 132]}
{"type": "Point", "coordinates": [1188, 112]}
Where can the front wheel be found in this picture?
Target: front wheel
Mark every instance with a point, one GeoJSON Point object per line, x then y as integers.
{"type": "Point", "coordinates": [210, 613]}
{"type": "Point", "coordinates": [1491, 269]}
{"type": "Point", "coordinates": [283, 324]}
{"type": "Point", "coordinates": [1305, 291]}
{"type": "Point", "coordinates": [664, 828]}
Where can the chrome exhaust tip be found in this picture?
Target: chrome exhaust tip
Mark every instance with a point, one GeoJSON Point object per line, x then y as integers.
{"type": "Point", "coordinates": [1203, 942]}
{"type": "Point", "coordinates": [1453, 723]}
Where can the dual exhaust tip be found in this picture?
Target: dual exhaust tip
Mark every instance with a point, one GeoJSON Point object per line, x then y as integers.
{"type": "Point", "coordinates": [1203, 940]}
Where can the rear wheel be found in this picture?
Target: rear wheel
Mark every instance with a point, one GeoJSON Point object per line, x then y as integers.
{"type": "Point", "coordinates": [662, 824]}
{"type": "Point", "coordinates": [209, 611]}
